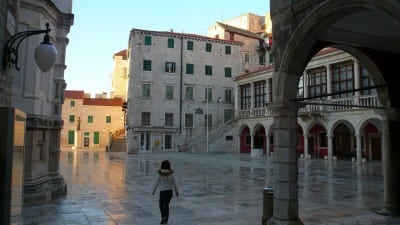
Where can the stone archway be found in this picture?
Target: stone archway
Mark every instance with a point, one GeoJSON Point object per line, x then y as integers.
{"type": "Point", "coordinates": [302, 28]}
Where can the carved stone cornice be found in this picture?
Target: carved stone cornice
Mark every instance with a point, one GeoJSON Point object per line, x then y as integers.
{"type": "Point", "coordinates": [41, 122]}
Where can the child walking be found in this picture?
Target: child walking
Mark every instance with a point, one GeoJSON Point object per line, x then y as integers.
{"type": "Point", "coordinates": [166, 183]}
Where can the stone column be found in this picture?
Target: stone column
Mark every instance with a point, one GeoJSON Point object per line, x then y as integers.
{"type": "Point", "coordinates": [391, 165]}
{"type": "Point", "coordinates": [266, 91]}
{"type": "Point", "coordinates": [305, 146]}
{"type": "Point", "coordinates": [358, 145]}
{"type": "Point", "coordinates": [252, 100]}
{"type": "Point", "coordinates": [356, 78]}
{"type": "Point", "coordinates": [252, 142]}
{"type": "Point", "coordinates": [286, 208]}
{"type": "Point", "coordinates": [267, 152]}
{"type": "Point", "coordinates": [328, 80]}
{"type": "Point", "coordinates": [330, 148]}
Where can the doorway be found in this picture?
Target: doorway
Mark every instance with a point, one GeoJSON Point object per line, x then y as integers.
{"type": "Point", "coordinates": [145, 141]}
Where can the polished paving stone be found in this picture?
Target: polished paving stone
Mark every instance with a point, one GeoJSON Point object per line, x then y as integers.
{"type": "Point", "coordinates": [115, 188]}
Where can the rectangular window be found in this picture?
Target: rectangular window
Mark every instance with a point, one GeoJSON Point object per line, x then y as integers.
{"type": "Point", "coordinates": [300, 92]}
{"type": "Point", "coordinates": [271, 58]}
{"type": "Point", "coordinates": [228, 72]}
{"type": "Point", "coordinates": [208, 94]}
{"type": "Point", "coordinates": [169, 119]}
{"type": "Point", "coordinates": [147, 40]}
{"type": "Point", "coordinates": [147, 65]}
{"type": "Point", "coordinates": [270, 89]}
{"type": "Point", "coordinates": [108, 119]}
{"type": "Point", "coordinates": [146, 88]}
{"type": "Point", "coordinates": [208, 47]}
{"type": "Point", "coordinates": [170, 67]}
{"type": "Point", "coordinates": [259, 94]}
{"type": "Point", "coordinates": [188, 120]}
{"type": "Point", "coordinates": [228, 95]}
{"type": "Point", "coordinates": [72, 103]}
{"type": "Point", "coordinates": [90, 119]}
{"type": "Point", "coordinates": [189, 68]}
{"type": "Point", "coordinates": [208, 70]}
{"type": "Point", "coordinates": [71, 118]}
{"type": "Point", "coordinates": [71, 137]}
{"type": "Point", "coordinates": [317, 81]}
{"type": "Point", "coordinates": [189, 45]}
{"type": "Point", "coordinates": [96, 138]}
{"type": "Point", "coordinates": [189, 93]}
{"type": "Point", "coordinates": [208, 120]}
{"type": "Point", "coordinates": [170, 43]}
{"type": "Point", "coordinates": [366, 81]}
{"type": "Point", "coordinates": [261, 60]}
{"type": "Point", "coordinates": [145, 119]}
{"type": "Point", "coordinates": [245, 96]}
{"type": "Point", "coordinates": [228, 50]}
{"type": "Point", "coordinates": [169, 92]}
{"type": "Point", "coordinates": [246, 57]}
{"type": "Point", "coordinates": [342, 79]}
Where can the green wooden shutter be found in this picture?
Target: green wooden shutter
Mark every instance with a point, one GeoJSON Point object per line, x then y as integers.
{"type": "Point", "coordinates": [71, 137]}
{"type": "Point", "coordinates": [96, 137]}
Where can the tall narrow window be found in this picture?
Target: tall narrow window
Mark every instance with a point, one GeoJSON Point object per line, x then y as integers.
{"type": "Point", "coordinates": [342, 79]}
{"type": "Point", "coordinates": [208, 47]}
{"type": "Point", "coordinates": [146, 90]}
{"type": "Point", "coordinates": [169, 92]}
{"type": "Point", "coordinates": [189, 45]}
{"type": "Point", "coordinates": [228, 50]}
{"type": "Point", "coordinates": [245, 96]}
{"type": "Point", "coordinates": [71, 137]}
{"type": "Point", "coordinates": [188, 120]}
{"type": "Point", "coordinates": [246, 57]}
{"type": "Point", "coordinates": [189, 93]}
{"type": "Point", "coordinates": [145, 119]}
{"type": "Point", "coordinates": [228, 72]}
{"type": "Point", "coordinates": [90, 119]}
{"type": "Point", "coordinates": [72, 103]}
{"type": "Point", "coordinates": [270, 90]}
{"type": "Point", "coordinates": [208, 70]}
{"type": "Point", "coordinates": [108, 119]}
{"type": "Point", "coordinates": [366, 81]}
{"type": "Point", "coordinates": [208, 120]}
{"type": "Point", "coordinates": [228, 95]}
{"type": "Point", "coordinates": [71, 118]}
{"type": "Point", "coordinates": [259, 94]}
{"type": "Point", "coordinates": [316, 82]}
{"type": "Point", "coordinates": [169, 119]}
{"type": "Point", "coordinates": [300, 92]}
{"type": "Point", "coordinates": [147, 40]}
{"type": "Point", "coordinates": [96, 138]}
{"type": "Point", "coordinates": [189, 68]}
{"type": "Point", "coordinates": [261, 60]}
{"type": "Point", "coordinates": [147, 65]}
{"type": "Point", "coordinates": [170, 43]}
{"type": "Point", "coordinates": [208, 94]}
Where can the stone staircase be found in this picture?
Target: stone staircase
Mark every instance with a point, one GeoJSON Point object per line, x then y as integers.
{"type": "Point", "coordinates": [117, 141]}
{"type": "Point", "coordinates": [198, 144]}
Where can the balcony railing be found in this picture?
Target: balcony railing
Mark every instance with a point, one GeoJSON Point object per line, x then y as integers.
{"type": "Point", "coordinates": [323, 105]}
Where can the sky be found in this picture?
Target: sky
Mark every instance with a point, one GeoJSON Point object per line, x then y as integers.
{"type": "Point", "coordinates": [101, 28]}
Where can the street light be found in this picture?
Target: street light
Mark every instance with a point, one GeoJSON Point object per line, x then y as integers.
{"type": "Point", "coordinates": [45, 53]}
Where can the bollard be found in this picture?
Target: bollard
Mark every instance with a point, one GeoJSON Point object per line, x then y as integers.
{"type": "Point", "coordinates": [268, 204]}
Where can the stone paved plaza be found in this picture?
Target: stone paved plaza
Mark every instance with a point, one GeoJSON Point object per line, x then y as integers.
{"type": "Point", "coordinates": [115, 188]}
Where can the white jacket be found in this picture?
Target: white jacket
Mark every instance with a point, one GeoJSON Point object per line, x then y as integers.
{"type": "Point", "coordinates": [166, 181]}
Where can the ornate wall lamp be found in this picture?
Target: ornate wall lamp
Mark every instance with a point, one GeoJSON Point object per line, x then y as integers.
{"type": "Point", "coordinates": [45, 53]}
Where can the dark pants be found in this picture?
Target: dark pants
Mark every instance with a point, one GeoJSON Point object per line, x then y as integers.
{"type": "Point", "coordinates": [165, 198]}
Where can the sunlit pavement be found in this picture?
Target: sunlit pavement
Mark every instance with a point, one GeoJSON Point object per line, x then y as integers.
{"type": "Point", "coordinates": [115, 188]}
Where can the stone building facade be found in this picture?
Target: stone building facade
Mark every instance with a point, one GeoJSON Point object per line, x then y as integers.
{"type": "Point", "coordinates": [178, 82]}
{"type": "Point", "coordinates": [119, 77]}
{"type": "Point", "coordinates": [89, 122]}
{"type": "Point", "coordinates": [38, 94]}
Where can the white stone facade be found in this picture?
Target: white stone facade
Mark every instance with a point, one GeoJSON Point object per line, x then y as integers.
{"type": "Point", "coordinates": [89, 122]}
{"type": "Point", "coordinates": [185, 83]}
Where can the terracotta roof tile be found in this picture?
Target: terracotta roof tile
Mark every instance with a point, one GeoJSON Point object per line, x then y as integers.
{"type": "Point", "coordinates": [103, 101]}
{"type": "Point", "coordinates": [74, 94]}
{"type": "Point", "coordinates": [254, 72]}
